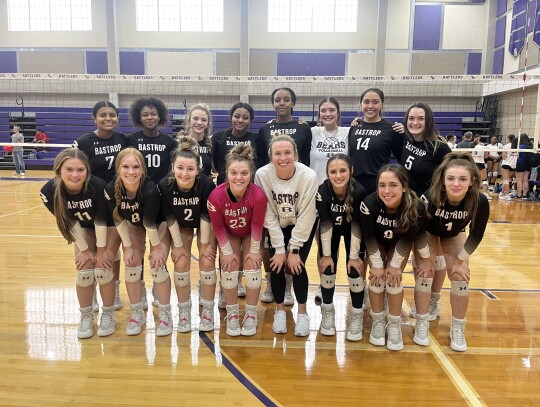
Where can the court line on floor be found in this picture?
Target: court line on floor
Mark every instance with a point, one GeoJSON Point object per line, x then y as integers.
{"type": "Point", "coordinates": [40, 236]}
{"type": "Point", "coordinates": [22, 210]}
{"type": "Point", "coordinates": [454, 373]}
{"type": "Point", "coordinates": [240, 375]}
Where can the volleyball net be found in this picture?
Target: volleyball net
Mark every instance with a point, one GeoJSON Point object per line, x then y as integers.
{"type": "Point", "coordinates": [61, 104]}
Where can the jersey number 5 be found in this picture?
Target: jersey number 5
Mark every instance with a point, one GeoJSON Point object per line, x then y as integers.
{"type": "Point", "coordinates": [408, 162]}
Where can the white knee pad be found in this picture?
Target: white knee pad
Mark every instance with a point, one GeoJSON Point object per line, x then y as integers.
{"type": "Point", "coordinates": [423, 286]}
{"type": "Point", "coordinates": [506, 182]}
{"type": "Point", "coordinates": [208, 277]}
{"type": "Point", "coordinates": [85, 278]}
{"type": "Point", "coordinates": [133, 274]}
{"type": "Point", "coordinates": [159, 274]}
{"type": "Point", "coordinates": [484, 182]}
{"type": "Point", "coordinates": [328, 281]}
{"type": "Point", "coordinates": [229, 280]}
{"type": "Point", "coordinates": [118, 256]}
{"type": "Point", "coordinates": [490, 174]}
{"type": "Point", "coordinates": [440, 263]}
{"type": "Point", "coordinates": [356, 285]}
{"type": "Point", "coordinates": [376, 288]}
{"type": "Point", "coordinates": [459, 288]}
{"type": "Point", "coordinates": [103, 276]}
{"type": "Point", "coordinates": [181, 279]}
{"type": "Point", "coordinates": [394, 290]}
{"type": "Point", "coordinates": [253, 279]}
{"type": "Point", "coordinates": [495, 174]}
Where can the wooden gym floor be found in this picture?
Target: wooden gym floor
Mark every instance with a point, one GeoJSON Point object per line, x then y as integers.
{"type": "Point", "coordinates": [44, 364]}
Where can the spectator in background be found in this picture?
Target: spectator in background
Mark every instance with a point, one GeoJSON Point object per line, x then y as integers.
{"type": "Point", "coordinates": [40, 138]}
{"type": "Point", "coordinates": [451, 140]}
{"type": "Point", "coordinates": [17, 153]}
{"type": "Point", "coordinates": [467, 141]}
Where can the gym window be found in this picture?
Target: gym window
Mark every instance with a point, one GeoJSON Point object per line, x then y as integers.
{"type": "Point", "coordinates": [49, 15]}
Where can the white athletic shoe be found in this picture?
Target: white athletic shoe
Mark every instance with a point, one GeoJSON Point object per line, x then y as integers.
{"type": "Point", "coordinates": [457, 335]}
{"type": "Point", "coordinates": [155, 301]}
{"type": "Point", "coordinates": [412, 311]}
{"type": "Point", "coordinates": [86, 325]}
{"type": "Point", "coordinates": [488, 196]}
{"type": "Point", "coordinates": [318, 296]}
{"type": "Point", "coordinates": [233, 320]}
{"type": "Point", "coordinates": [117, 299]}
{"type": "Point", "coordinates": [280, 322]}
{"type": "Point", "coordinates": [137, 321]}
{"type": "Point", "coordinates": [267, 295]}
{"type": "Point", "coordinates": [328, 321]}
{"type": "Point", "coordinates": [207, 316]}
{"type": "Point", "coordinates": [356, 324]}
{"type": "Point", "coordinates": [395, 339]}
{"type": "Point", "coordinates": [165, 325]}
{"type": "Point", "coordinates": [289, 297]}
{"type": "Point", "coordinates": [302, 325]}
{"type": "Point", "coordinates": [378, 328]}
{"type": "Point", "coordinates": [184, 317]}
{"type": "Point", "coordinates": [241, 288]}
{"type": "Point", "coordinates": [434, 306]}
{"type": "Point", "coordinates": [249, 324]}
{"type": "Point", "coordinates": [107, 321]}
{"type": "Point", "coordinates": [421, 333]}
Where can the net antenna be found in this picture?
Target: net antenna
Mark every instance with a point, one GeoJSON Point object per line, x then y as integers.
{"type": "Point", "coordinates": [20, 101]}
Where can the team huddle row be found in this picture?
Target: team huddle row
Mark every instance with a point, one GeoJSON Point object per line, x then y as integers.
{"type": "Point", "coordinates": [268, 208]}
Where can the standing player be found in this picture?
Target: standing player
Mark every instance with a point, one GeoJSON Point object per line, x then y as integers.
{"type": "Point", "coordinates": [508, 165]}
{"type": "Point", "coordinates": [198, 124]}
{"type": "Point", "coordinates": [183, 199]}
{"type": "Point", "coordinates": [290, 219]}
{"type": "Point", "coordinates": [479, 155]}
{"type": "Point", "coordinates": [423, 147]}
{"type": "Point", "coordinates": [134, 202]}
{"type": "Point", "coordinates": [237, 209]}
{"type": "Point", "coordinates": [392, 219]}
{"type": "Point", "coordinates": [338, 202]}
{"type": "Point", "coordinates": [283, 101]}
{"type": "Point", "coordinates": [372, 142]}
{"type": "Point", "coordinates": [101, 146]}
{"type": "Point", "coordinates": [329, 139]}
{"type": "Point", "coordinates": [76, 200]}
{"type": "Point", "coordinates": [493, 161]}
{"type": "Point", "coordinates": [455, 201]}
{"type": "Point", "coordinates": [149, 113]}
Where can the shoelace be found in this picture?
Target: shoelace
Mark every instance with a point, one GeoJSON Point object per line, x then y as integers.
{"type": "Point", "coordinates": [86, 319]}
{"type": "Point", "coordinates": [458, 333]}
{"type": "Point", "coordinates": [422, 327]}
{"type": "Point", "coordinates": [136, 317]}
{"type": "Point", "coordinates": [354, 324]}
{"type": "Point", "coordinates": [379, 327]}
{"type": "Point", "coordinates": [106, 319]}
{"type": "Point", "coordinates": [393, 329]}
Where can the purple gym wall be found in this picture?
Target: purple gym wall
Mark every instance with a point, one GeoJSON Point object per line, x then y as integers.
{"type": "Point", "coordinates": [311, 64]}
{"type": "Point", "coordinates": [474, 63]}
{"type": "Point", "coordinates": [501, 7]}
{"type": "Point", "coordinates": [427, 27]}
{"type": "Point", "coordinates": [131, 63]}
{"type": "Point", "coordinates": [500, 31]}
{"type": "Point", "coordinates": [96, 62]}
{"type": "Point", "coordinates": [498, 61]}
{"type": "Point", "coordinates": [8, 61]}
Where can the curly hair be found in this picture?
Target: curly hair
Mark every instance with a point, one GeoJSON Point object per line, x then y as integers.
{"type": "Point", "coordinates": [148, 101]}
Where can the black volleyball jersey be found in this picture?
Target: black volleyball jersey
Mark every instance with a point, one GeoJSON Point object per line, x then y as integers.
{"type": "Point", "coordinates": [449, 221]}
{"type": "Point", "coordinates": [370, 145]}
{"type": "Point", "coordinates": [156, 151]}
{"type": "Point", "coordinates": [206, 158]}
{"type": "Point", "coordinates": [300, 133]}
{"type": "Point", "coordinates": [101, 152]}
{"type": "Point", "coordinates": [143, 210]}
{"type": "Point", "coordinates": [187, 208]}
{"type": "Point", "coordinates": [332, 210]}
{"type": "Point", "coordinates": [223, 142]}
{"type": "Point", "coordinates": [378, 224]}
{"type": "Point", "coordinates": [87, 207]}
{"type": "Point", "coordinates": [421, 158]}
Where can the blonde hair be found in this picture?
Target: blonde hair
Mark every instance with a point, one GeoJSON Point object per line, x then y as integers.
{"type": "Point", "coordinates": [63, 220]}
{"type": "Point", "coordinates": [187, 126]}
{"type": "Point", "coordinates": [282, 137]}
{"type": "Point", "coordinates": [242, 152]}
{"type": "Point", "coordinates": [118, 184]}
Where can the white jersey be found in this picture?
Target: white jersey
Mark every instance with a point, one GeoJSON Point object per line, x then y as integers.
{"type": "Point", "coordinates": [325, 144]}
{"type": "Point", "coordinates": [511, 157]}
{"type": "Point", "coordinates": [290, 202]}
{"type": "Point", "coordinates": [495, 154]}
{"type": "Point", "coordinates": [478, 153]}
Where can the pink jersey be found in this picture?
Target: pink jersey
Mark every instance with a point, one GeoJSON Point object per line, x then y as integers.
{"type": "Point", "coordinates": [241, 219]}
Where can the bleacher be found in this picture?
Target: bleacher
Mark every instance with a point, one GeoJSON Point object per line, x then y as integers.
{"type": "Point", "coordinates": [64, 125]}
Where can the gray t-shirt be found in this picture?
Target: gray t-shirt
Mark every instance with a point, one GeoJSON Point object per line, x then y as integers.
{"type": "Point", "coordinates": [17, 138]}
